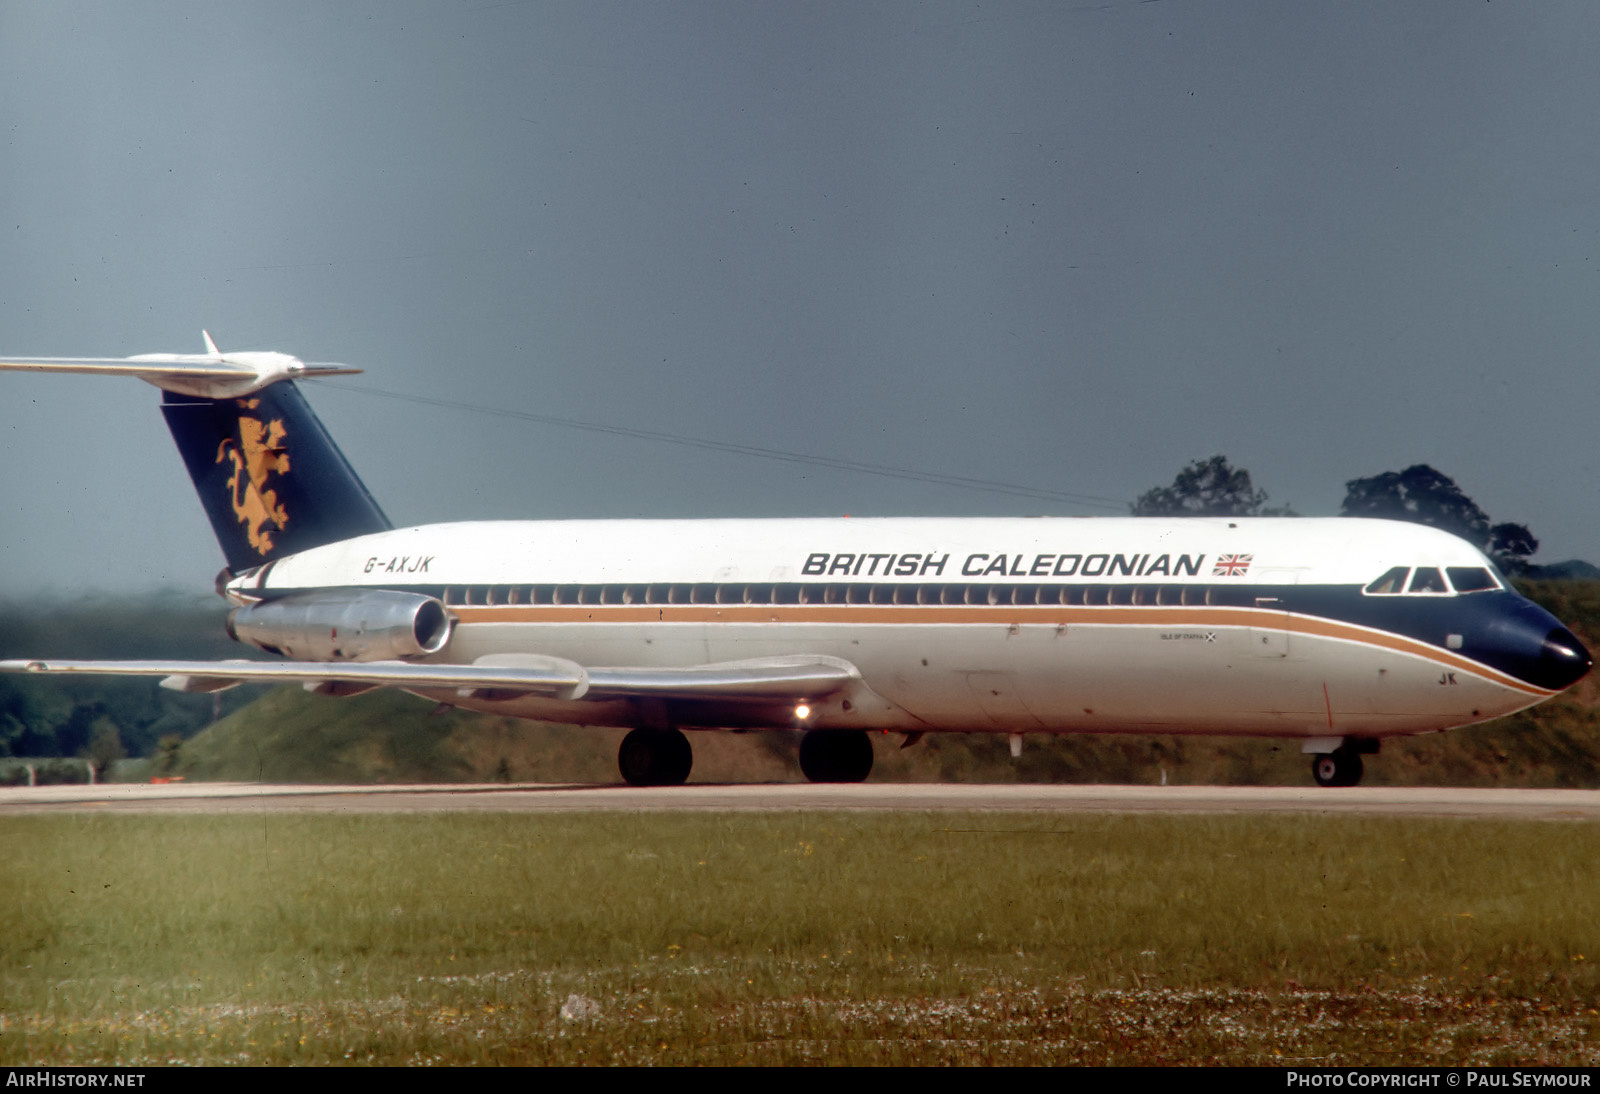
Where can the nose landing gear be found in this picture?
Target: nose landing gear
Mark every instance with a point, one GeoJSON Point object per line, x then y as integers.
{"type": "Point", "coordinates": [1342, 766]}
{"type": "Point", "coordinates": [1338, 768]}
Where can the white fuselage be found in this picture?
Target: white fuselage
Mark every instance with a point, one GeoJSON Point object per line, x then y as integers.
{"type": "Point", "coordinates": [1217, 626]}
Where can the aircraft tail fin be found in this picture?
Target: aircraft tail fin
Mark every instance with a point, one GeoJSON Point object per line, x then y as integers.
{"type": "Point", "coordinates": [269, 475]}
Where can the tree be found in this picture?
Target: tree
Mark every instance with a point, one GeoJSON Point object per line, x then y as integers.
{"type": "Point", "coordinates": [105, 748]}
{"type": "Point", "coordinates": [1418, 494]}
{"type": "Point", "coordinates": [1511, 545]}
{"type": "Point", "coordinates": [169, 752]}
{"type": "Point", "coordinates": [1424, 495]}
{"type": "Point", "coordinates": [1207, 488]}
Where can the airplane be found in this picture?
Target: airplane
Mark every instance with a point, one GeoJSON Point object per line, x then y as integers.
{"type": "Point", "coordinates": [1335, 632]}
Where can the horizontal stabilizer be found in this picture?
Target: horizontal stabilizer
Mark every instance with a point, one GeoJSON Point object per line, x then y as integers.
{"type": "Point", "coordinates": [210, 375]}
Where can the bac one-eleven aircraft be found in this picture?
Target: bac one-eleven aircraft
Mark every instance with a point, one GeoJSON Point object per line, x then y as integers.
{"type": "Point", "coordinates": [1334, 632]}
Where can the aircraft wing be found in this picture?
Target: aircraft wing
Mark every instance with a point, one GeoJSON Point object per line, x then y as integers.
{"type": "Point", "coordinates": [759, 680]}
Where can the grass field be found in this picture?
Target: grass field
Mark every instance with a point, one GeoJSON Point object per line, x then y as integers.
{"type": "Point", "coordinates": [904, 938]}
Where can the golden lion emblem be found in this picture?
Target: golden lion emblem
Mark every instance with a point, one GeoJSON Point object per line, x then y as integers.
{"type": "Point", "coordinates": [257, 454]}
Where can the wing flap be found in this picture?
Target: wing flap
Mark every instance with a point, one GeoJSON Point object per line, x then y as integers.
{"type": "Point", "coordinates": [765, 679]}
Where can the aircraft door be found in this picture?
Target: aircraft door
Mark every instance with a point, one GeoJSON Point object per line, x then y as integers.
{"type": "Point", "coordinates": [1270, 639]}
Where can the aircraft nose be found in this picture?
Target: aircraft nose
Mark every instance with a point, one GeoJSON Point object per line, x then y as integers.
{"type": "Point", "coordinates": [1531, 644]}
{"type": "Point", "coordinates": [1562, 660]}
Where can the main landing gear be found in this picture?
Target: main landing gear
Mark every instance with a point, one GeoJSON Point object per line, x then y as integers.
{"type": "Point", "coordinates": [662, 757]}
{"type": "Point", "coordinates": [1342, 766]}
{"type": "Point", "coordinates": [836, 755]}
{"type": "Point", "coordinates": [655, 757]}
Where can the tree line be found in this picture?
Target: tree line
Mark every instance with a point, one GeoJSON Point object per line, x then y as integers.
{"type": "Point", "coordinates": [102, 718]}
{"type": "Point", "coordinates": [1420, 494]}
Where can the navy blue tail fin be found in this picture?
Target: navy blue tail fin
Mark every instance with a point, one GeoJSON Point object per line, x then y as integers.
{"type": "Point", "coordinates": [270, 477]}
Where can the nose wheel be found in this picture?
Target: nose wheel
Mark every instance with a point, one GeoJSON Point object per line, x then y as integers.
{"type": "Point", "coordinates": [1341, 767]}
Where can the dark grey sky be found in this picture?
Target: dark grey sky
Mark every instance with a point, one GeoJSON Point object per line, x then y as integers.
{"type": "Point", "coordinates": [1071, 246]}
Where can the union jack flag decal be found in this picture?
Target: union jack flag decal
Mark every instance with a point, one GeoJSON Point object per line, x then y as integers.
{"type": "Point", "coordinates": [1232, 565]}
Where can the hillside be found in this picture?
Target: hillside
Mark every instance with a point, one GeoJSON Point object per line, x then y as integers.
{"type": "Point", "coordinates": [388, 737]}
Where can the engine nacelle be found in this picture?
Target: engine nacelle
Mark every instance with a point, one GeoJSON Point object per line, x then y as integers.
{"type": "Point", "coordinates": [348, 625]}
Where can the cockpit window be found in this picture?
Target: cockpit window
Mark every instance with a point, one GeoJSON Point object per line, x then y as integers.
{"type": "Point", "coordinates": [1428, 579]}
{"type": "Point", "coordinates": [1393, 581]}
{"type": "Point", "coordinates": [1471, 579]}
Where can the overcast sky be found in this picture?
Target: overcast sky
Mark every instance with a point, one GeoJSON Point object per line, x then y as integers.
{"type": "Point", "coordinates": [1064, 246]}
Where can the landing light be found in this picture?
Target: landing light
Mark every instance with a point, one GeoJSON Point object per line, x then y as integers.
{"type": "Point", "coordinates": [802, 711]}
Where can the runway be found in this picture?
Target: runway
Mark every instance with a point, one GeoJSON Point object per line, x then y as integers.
{"type": "Point", "coordinates": [220, 798]}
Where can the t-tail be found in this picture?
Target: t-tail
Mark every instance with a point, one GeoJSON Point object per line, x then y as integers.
{"type": "Point", "coordinates": [270, 477]}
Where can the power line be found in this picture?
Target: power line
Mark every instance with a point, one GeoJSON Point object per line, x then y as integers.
{"type": "Point", "coordinates": [965, 482]}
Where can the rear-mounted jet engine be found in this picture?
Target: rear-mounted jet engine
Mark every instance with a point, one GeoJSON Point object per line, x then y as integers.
{"type": "Point", "coordinates": [344, 625]}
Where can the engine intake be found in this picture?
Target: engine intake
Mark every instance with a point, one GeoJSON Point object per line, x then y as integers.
{"type": "Point", "coordinates": [351, 625]}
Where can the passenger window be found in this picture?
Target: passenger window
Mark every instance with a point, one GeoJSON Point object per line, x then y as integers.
{"type": "Point", "coordinates": [1471, 579]}
{"type": "Point", "coordinates": [1428, 579]}
{"type": "Point", "coordinates": [1394, 581]}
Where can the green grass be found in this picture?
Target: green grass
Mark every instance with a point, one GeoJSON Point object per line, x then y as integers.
{"type": "Point", "coordinates": [859, 938]}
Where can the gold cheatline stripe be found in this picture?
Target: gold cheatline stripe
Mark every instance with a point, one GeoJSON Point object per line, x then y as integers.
{"type": "Point", "coordinates": [1049, 614]}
